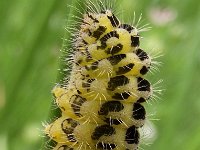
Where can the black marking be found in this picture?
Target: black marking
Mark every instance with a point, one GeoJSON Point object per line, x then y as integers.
{"type": "Point", "coordinates": [76, 103]}
{"type": "Point", "coordinates": [113, 20]}
{"type": "Point", "coordinates": [91, 17]}
{"type": "Point", "coordinates": [114, 60]}
{"type": "Point", "coordinates": [69, 130]}
{"type": "Point", "coordinates": [132, 135]}
{"type": "Point", "coordinates": [89, 57]}
{"type": "Point", "coordinates": [138, 112]}
{"type": "Point", "coordinates": [135, 41]}
{"type": "Point", "coordinates": [143, 84]}
{"type": "Point", "coordinates": [127, 27]}
{"type": "Point", "coordinates": [141, 54]}
{"type": "Point", "coordinates": [125, 69]}
{"type": "Point", "coordinates": [121, 96]}
{"type": "Point", "coordinates": [103, 130]}
{"type": "Point", "coordinates": [87, 83]}
{"type": "Point", "coordinates": [99, 32]}
{"type": "Point", "coordinates": [84, 42]}
{"type": "Point", "coordinates": [64, 147]}
{"type": "Point", "coordinates": [117, 81]}
{"type": "Point", "coordinates": [144, 70]}
{"type": "Point", "coordinates": [106, 37]}
{"type": "Point", "coordinates": [106, 146]}
{"type": "Point", "coordinates": [141, 100]}
{"type": "Point", "coordinates": [110, 106]}
{"type": "Point", "coordinates": [79, 92]}
{"type": "Point", "coordinates": [115, 49]}
{"type": "Point", "coordinates": [79, 62]}
{"type": "Point", "coordinates": [89, 33]}
{"type": "Point", "coordinates": [113, 121]}
{"type": "Point", "coordinates": [94, 65]}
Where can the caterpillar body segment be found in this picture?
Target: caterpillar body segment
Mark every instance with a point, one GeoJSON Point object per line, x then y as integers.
{"type": "Point", "coordinates": [102, 103]}
{"type": "Point", "coordinates": [67, 131]}
{"type": "Point", "coordinates": [112, 112]}
{"type": "Point", "coordinates": [125, 88]}
{"type": "Point", "coordinates": [118, 65]}
{"type": "Point", "coordinates": [115, 42]}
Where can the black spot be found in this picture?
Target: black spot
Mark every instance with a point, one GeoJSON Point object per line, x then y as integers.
{"type": "Point", "coordinates": [87, 84]}
{"type": "Point", "coordinates": [135, 41]}
{"type": "Point", "coordinates": [121, 96]}
{"type": "Point", "coordinates": [141, 54]}
{"type": "Point", "coordinates": [94, 65]}
{"type": "Point", "coordinates": [141, 100]}
{"type": "Point", "coordinates": [113, 20]}
{"type": "Point", "coordinates": [125, 69]}
{"type": "Point", "coordinates": [89, 57]}
{"type": "Point", "coordinates": [110, 106]}
{"type": "Point", "coordinates": [72, 122]}
{"type": "Point", "coordinates": [91, 17]}
{"type": "Point", "coordinates": [117, 81]}
{"type": "Point", "coordinates": [79, 61]}
{"type": "Point", "coordinates": [132, 135]}
{"type": "Point", "coordinates": [103, 130]}
{"type": "Point", "coordinates": [144, 70]}
{"type": "Point", "coordinates": [113, 121]}
{"type": "Point", "coordinates": [105, 146]}
{"type": "Point", "coordinates": [143, 84]}
{"type": "Point", "coordinates": [65, 147]}
{"type": "Point", "coordinates": [69, 130]}
{"type": "Point", "coordinates": [79, 92]}
{"type": "Point", "coordinates": [84, 42]}
{"type": "Point", "coordinates": [127, 27]}
{"type": "Point", "coordinates": [114, 49]}
{"type": "Point", "coordinates": [114, 60]}
{"type": "Point", "coordinates": [138, 111]}
{"type": "Point", "coordinates": [99, 32]}
{"type": "Point", "coordinates": [51, 143]}
{"type": "Point", "coordinates": [106, 37]}
{"type": "Point", "coordinates": [76, 103]}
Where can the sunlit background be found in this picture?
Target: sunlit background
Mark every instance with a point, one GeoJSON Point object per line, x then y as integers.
{"type": "Point", "coordinates": [31, 33]}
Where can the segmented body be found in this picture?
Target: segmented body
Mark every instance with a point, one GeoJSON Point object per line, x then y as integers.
{"type": "Point", "coordinates": [102, 103]}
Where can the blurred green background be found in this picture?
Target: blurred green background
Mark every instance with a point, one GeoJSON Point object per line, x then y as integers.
{"type": "Point", "coordinates": [31, 33]}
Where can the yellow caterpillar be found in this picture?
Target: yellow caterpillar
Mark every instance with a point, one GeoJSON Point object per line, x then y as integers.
{"type": "Point", "coordinates": [102, 103]}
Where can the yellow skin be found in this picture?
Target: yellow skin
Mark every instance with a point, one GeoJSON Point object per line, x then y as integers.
{"type": "Point", "coordinates": [107, 72]}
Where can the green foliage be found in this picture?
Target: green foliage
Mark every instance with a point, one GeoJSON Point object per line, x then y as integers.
{"type": "Point", "coordinates": [31, 35]}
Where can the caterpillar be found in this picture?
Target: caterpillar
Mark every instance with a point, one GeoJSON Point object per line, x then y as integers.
{"type": "Point", "coordinates": [102, 103]}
